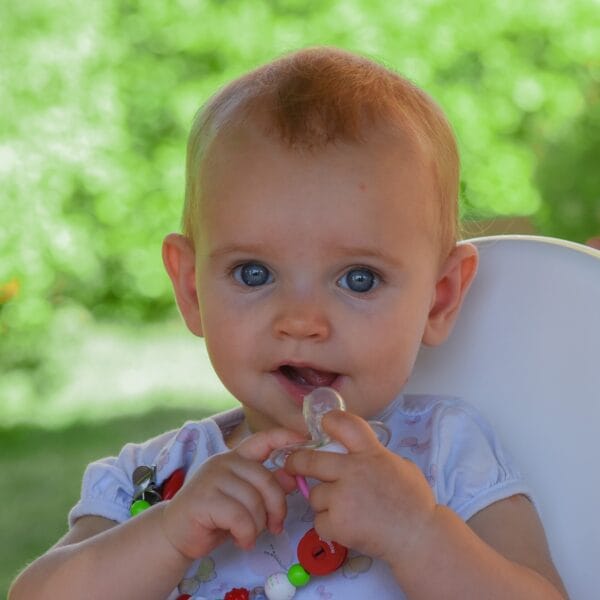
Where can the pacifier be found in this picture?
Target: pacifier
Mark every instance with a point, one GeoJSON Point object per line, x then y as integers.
{"type": "Point", "coordinates": [316, 404]}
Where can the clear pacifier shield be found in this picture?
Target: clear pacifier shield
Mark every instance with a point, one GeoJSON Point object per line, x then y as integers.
{"type": "Point", "coordinates": [316, 404]}
{"type": "Point", "coordinates": [319, 402]}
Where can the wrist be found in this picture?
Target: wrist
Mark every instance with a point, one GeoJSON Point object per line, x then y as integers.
{"type": "Point", "coordinates": [407, 551]}
{"type": "Point", "coordinates": [168, 529]}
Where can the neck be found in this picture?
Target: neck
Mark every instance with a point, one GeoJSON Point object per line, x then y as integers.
{"type": "Point", "coordinates": [237, 434]}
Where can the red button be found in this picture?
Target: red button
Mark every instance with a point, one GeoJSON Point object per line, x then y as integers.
{"type": "Point", "coordinates": [171, 486]}
{"type": "Point", "coordinates": [319, 557]}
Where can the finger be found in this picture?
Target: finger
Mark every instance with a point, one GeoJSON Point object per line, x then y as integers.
{"type": "Point", "coordinates": [247, 496]}
{"type": "Point", "coordinates": [322, 525]}
{"type": "Point", "coordinates": [285, 480]}
{"type": "Point", "coordinates": [259, 445]}
{"type": "Point", "coordinates": [350, 430]}
{"type": "Point", "coordinates": [322, 465]}
{"type": "Point", "coordinates": [267, 486]}
{"type": "Point", "coordinates": [320, 496]}
{"type": "Point", "coordinates": [234, 517]}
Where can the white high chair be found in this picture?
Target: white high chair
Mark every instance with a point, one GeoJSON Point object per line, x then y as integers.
{"type": "Point", "coordinates": [526, 352]}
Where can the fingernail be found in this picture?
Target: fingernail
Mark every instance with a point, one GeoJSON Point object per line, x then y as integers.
{"type": "Point", "coordinates": [276, 528]}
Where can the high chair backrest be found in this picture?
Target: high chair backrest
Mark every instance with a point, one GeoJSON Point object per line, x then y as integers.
{"type": "Point", "coordinates": [526, 351]}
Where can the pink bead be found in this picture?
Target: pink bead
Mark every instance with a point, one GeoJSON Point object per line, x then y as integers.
{"type": "Point", "coordinates": [302, 485]}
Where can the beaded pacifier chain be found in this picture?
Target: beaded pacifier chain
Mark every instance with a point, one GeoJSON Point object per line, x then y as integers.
{"type": "Point", "coordinates": [315, 556]}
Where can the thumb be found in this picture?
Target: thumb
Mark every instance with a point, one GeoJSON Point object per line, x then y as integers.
{"type": "Point", "coordinates": [350, 430]}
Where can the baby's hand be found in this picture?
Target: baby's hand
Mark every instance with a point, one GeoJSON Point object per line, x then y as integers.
{"type": "Point", "coordinates": [231, 494]}
{"type": "Point", "coordinates": [370, 499]}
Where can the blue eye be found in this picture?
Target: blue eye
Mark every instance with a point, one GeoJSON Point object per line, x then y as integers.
{"type": "Point", "coordinates": [359, 280]}
{"type": "Point", "coordinates": [252, 274]}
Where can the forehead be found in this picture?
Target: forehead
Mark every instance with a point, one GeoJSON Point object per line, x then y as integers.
{"type": "Point", "coordinates": [246, 172]}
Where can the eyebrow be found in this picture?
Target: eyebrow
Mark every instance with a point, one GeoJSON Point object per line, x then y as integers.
{"type": "Point", "coordinates": [238, 249]}
{"type": "Point", "coordinates": [368, 252]}
{"type": "Point", "coordinates": [341, 250]}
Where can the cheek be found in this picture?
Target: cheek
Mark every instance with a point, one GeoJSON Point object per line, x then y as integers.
{"type": "Point", "coordinates": [393, 360]}
{"type": "Point", "coordinates": [226, 343]}
{"type": "Point", "coordinates": [395, 343]}
{"type": "Point", "coordinates": [221, 333]}
{"type": "Point", "coordinates": [230, 339]}
{"type": "Point", "coordinates": [220, 317]}
{"type": "Point", "coordinates": [228, 358]}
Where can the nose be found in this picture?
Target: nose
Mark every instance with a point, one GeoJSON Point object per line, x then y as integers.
{"type": "Point", "coordinates": [302, 319]}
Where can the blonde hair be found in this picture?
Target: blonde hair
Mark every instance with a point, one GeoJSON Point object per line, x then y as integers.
{"type": "Point", "coordinates": [319, 96]}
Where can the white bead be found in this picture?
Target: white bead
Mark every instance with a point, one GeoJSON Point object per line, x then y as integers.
{"type": "Point", "coordinates": [278, 587]}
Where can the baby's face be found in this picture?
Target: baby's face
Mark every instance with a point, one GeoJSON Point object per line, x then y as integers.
{"type": "Point", "coordinates": [314, 270]}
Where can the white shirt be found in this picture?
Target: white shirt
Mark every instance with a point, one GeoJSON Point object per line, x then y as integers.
{"type": "Point", "coordinates": [447, 439]}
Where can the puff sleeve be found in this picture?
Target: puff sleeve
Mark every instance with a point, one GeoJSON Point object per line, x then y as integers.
{"type": "Point", "coordinates": [470, 467]}
{"type": "Point", "coordinates": [107, 488]}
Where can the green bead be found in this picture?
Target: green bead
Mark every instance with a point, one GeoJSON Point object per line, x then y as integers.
{"type": "Point", "coordinates": [297, 575]}
{"type": "Point", "coordinates": [139, 506]}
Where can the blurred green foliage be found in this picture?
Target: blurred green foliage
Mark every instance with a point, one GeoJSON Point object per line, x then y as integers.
{"type": "Point", "coordinates": [45, 467]}
{"type": "Point", "coordinates": [97, 97]}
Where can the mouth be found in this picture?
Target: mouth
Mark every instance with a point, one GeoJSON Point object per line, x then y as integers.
{"type": "Point", "coordinates": [300, 380]}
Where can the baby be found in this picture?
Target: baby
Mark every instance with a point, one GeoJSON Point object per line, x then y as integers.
{"type": "Point", "coordinates": [319, 248]}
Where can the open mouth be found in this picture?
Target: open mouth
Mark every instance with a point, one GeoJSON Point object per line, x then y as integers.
{"type": "Point", "coordinates": [307, 377]}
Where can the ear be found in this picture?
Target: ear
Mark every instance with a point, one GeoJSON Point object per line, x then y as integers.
{"type": "Point", "coordinates": [451, 288]}
{"type": "Point", "coordinates": [180, 261]}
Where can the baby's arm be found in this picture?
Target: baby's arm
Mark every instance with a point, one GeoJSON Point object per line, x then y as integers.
{"type": "Point", "coordinates": [232, 494]}
{"type": "Point", "coordinates": [100, 559]}
{"type": "Point", "coordinates": [381, 504]}
{"type": "Point", "coordinates": [511, 561]}
{"type": "Point", "coordinates": [513, 528]}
